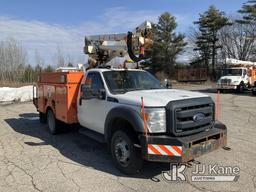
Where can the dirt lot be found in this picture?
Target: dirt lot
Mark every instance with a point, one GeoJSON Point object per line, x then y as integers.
{"type": "Point", "coordinates": [33, 160]}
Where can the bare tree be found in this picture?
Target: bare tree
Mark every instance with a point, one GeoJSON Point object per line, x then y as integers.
{"type": "Point", "coordinates": [238, 40]}
{"type": "Point", "coordinates": [13, 59]}
{"type": "Point", "coordinates": [60, 57]}
{"type": "Point", "coordinates": [39, 60]}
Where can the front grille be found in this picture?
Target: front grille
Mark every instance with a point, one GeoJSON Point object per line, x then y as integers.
{"type": "Point", "coordinates": [182, 116]}
{"type": "Point", "coordinates": [225, 81]}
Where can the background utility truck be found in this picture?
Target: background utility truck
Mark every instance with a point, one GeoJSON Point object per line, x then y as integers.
{"type": "Point", "coordinates": [239, 76]}
{"type": "Point", "coordinates": [130, 110]}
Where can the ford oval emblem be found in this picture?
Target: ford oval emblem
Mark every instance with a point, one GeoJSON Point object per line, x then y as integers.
{"type": "Point", "coordinates": [198, 117]}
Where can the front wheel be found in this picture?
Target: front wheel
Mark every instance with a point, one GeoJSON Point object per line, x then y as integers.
{"type": "Point", "coordinates": [254, 92]}
{"type": "Point", "coordinates": [220, 91]}
{"type": "Point", "coordinates": [240, 88]}
{"type": "Point", "coordinates": [126, 157]}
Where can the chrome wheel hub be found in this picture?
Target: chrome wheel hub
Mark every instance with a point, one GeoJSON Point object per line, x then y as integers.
{"type": "Point", "coordinates": [122, 151]}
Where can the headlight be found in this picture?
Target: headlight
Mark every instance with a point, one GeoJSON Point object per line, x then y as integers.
{"type": "Point", "coordinates": [235, 81]}
{"type": "Point", "coordinates": [156, 120]}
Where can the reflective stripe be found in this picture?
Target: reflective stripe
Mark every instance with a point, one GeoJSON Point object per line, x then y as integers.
{"type": "Point", "coordinates": [154, 149]}
{"type": "Point", "coordinates": [173, 151]}
{"type": "Point", "coordinates": [162, 152]}
{"type": "Point", "coordinates": [166, 150]}
{"type": "Point", "coordinates": [178, 149]}
{"type": "Point", "coordinates": [150, 151]}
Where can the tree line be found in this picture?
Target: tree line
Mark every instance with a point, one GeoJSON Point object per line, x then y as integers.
{"type": "Point", "coordinates": [14, 65]}
{"type": "Point", "coordinates": [214, 37]}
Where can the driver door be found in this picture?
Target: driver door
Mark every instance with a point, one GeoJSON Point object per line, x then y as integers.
{"type": "Point", "coordinates": [91, 112]}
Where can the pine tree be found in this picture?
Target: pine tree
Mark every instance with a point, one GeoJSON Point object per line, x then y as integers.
{"type": "Point", "coordinates": [249, 12]}
{"type": "Point", "coordinates": [37, 71]}
{"type": "Point", "coordinates": [49, 68]}
{"type": "Point", "coordinates": [167, 44]}
{"type": "Point", "coordinates": [70, 64]}
{"type": "Point", "coordinates": [209, 23]}
{"type": "Point", "coordinates": [28, 74]}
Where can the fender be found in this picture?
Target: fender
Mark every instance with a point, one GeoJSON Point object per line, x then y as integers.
{"type": "Point", "coordinates": [125, 113]}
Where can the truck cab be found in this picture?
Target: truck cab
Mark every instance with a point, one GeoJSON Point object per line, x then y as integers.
{"type": "Point", "coordinates": [236, 78]}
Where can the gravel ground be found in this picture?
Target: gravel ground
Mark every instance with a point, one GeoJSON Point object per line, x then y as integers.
{"type": "Point", "coordinates": [33, 160]}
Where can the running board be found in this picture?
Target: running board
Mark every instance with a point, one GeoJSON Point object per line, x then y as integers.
{"type": "Point", "coordinates": [92, 134]}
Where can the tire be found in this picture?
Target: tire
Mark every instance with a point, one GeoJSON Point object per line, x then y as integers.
{"type": "Point", "coordinates": [254, 93]}
{"type": "Point", "coordinates": [240, 88]}
{"type": "Point", "coordinates": [220, 90]}
{"type": "Point", "coordinates": [42, 118]}
{"type": "Point", "coordinates": [52, 122]}
{"type": "Point", "coordinates": [126, 157]}
{"type": "Point", "coordinates": [254, 89]}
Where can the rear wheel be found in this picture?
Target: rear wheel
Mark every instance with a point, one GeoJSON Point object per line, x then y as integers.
{"type": "Point", "coordinates": [126, 157]}
{"type": "Point", "coordinates": [52, 122]}
{"type": "Point", "coordinates": [42, 117]}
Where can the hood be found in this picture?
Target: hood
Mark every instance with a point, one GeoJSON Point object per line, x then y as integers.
{"type": "Point", "coordinates": [156, 98]}
{"type": "Point", "coordinates": [233, 78]}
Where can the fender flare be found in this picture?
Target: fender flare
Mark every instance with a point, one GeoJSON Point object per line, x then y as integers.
{"type": "Point", "coordinates": [125, 113]}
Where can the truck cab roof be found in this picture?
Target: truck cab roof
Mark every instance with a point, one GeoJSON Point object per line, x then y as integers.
{"type": "Point", "coordinates": [236, 68]}
{"type": "Point", "coordinates": [112, 69]}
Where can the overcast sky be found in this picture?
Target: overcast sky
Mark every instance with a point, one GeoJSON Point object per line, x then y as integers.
{"type": "Point", "coordinates": [44, 25]}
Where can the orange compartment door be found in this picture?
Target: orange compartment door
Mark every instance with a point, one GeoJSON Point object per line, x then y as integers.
{"type": "Point", "coordinates": [41, 104]}
{"type": "Point", "coordinates": [61, 103]}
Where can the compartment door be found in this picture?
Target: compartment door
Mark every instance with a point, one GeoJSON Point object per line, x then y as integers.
{"type": "Point", "coordinates": [61, 103]}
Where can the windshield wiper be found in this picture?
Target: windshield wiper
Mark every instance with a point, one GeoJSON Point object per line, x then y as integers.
{"type": "Point", "coordinates": [119, 91]}
{"type": "Point", "coordinates": [122, 91]}
{"type": "Point", "coordinates": [156, 88]}
{"type": "Point", "coordinates": [140, 89]}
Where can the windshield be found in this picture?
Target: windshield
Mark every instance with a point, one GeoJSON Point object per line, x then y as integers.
{"type": "Point", "coordinates": [124, 81]}
{"type": "Point", "coordinates": [233, 72]}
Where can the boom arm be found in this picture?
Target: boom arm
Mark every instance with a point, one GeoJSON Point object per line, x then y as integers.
{"type": "Point", "coordinates": [236, 62]}
{"type": "Point", "coordinates": [103, 48]}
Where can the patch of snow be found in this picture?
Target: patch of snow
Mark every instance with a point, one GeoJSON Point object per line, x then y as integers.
{"type": "Point", "coordinates": [21, 94]}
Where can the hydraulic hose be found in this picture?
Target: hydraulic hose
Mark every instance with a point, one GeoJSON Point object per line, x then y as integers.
{"type": "Point", "coordinates": [130, 49]}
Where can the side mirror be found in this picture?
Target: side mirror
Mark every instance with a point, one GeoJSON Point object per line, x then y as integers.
{"type": "Point", "coordinates": [167, 84]}
{"type": "Point", "coordinates": [102, 94]}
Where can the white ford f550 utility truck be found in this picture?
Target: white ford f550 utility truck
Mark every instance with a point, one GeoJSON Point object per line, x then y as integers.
{"type": "Point", "coordinates": [167, 125]}
{"type": "Point", "coordinates": [128, 108]}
